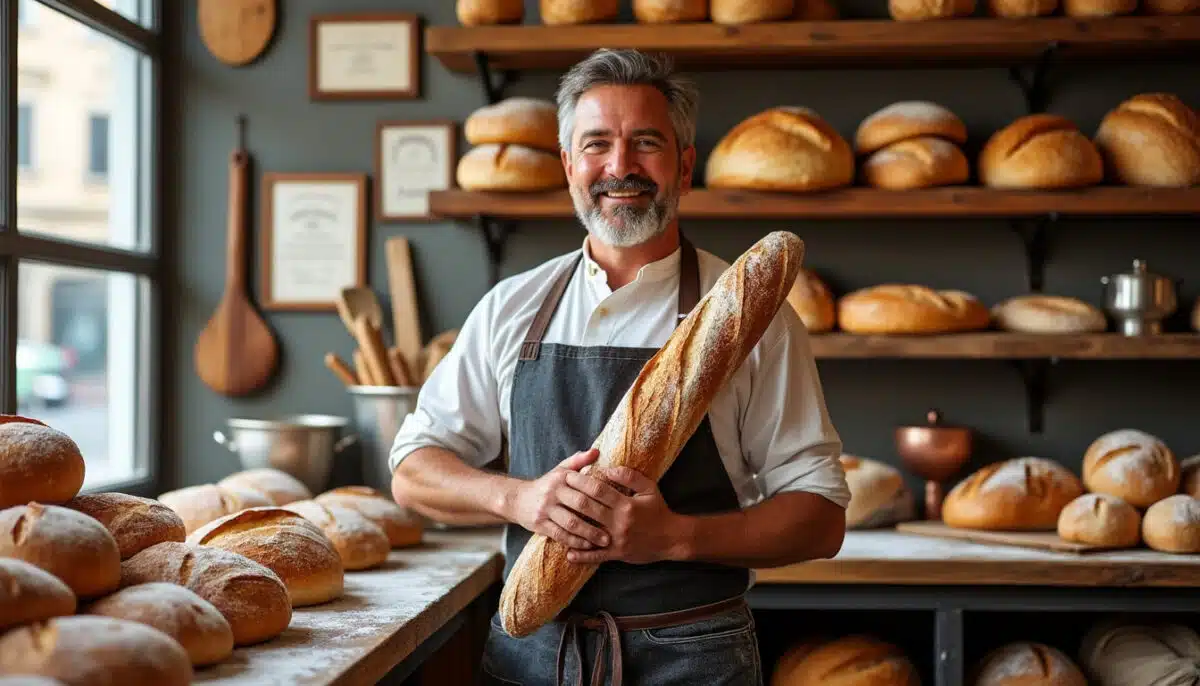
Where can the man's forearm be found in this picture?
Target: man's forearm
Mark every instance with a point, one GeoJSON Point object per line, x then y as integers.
{"type": "Point", "coordinates": [785, 529]}
{"type": "Point", "coordinates": [438, 485]}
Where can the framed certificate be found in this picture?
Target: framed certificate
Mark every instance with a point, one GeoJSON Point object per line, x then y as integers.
{"type": "Point", "coordinates": [360, 56]}
{"type": "Point", "coordinates": [314, 238]}
{"type": "Point", "coordinates": [412, 159]}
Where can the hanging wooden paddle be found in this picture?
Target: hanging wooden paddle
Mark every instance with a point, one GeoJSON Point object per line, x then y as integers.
{"type": "Point", "coordinates": [236, 32]}
{"type": "Point", "coordinates": [236, 353]}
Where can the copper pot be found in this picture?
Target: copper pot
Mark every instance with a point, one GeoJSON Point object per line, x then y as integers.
{"type": "Point", "coordinates": [935, 452]}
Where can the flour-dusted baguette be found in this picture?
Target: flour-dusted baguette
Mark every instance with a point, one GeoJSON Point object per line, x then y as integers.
{"type": "Point", "coordinates": [662, 409]}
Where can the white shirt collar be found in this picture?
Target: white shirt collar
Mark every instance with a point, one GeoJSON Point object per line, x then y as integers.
{"type": "Point", "coordinates": [655, 271]}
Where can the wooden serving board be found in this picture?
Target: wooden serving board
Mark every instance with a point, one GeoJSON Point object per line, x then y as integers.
{"type": "Point", "coordinates": [1043, 540]}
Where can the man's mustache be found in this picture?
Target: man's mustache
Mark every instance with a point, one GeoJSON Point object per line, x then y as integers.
{"type": "Point", "coordinates": [632, 183]}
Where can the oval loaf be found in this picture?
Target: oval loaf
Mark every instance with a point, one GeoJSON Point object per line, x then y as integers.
{"type": "Point", "coordinates": [135, 522]}
{"type": "Point", "coordinates": [70, 545]}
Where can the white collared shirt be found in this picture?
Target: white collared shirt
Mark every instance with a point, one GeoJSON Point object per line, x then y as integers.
{"type": "Point", "coordinates": [770, 423]}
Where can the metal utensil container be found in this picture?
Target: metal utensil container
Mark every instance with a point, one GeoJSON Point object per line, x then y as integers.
{"type": "Point", "coordinates": [1139, 300]}
{"type": "Point", "coordinates": [302, 445]}
{"type": "Point", "coordinates": [378, 413]}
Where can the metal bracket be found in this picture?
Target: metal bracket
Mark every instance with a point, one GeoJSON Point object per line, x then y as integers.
{"type": "Point", "coordinates": [1034, 87]}
{"type": "Point", "coordinates": [494, 83]}
{"type": "Point", "coordinates": [495, 235]}
{"type": "Point", "coordinates": [1033, 374]}
{"type": "Point", "coordinates": [1033, 236]}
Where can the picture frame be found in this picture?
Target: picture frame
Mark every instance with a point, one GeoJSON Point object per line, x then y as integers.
{"type": "Point", "coordinates": [364, 56]}
{"type": "Point", "coordinates": [412, 158]}
{"type": "Point", "coordinates": [313, 238]}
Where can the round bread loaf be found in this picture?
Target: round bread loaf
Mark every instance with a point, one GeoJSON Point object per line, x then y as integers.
{"type": "Point", "coordinates": [31, 594]}
{"type": "Point", "coordinates": [510, 168]}
{"type": "Point", "coordinates": [1170, 6]}
{"type": "Point", "coordinates": [284, 542]}
{"type": "Point", "coordinates": [488, 12]}
{"type": "Point", "coordinates": [815, 10]}
{"type": "Point", "coordinates": [1049, 314]}
{"type": "Point", "coordinates": [248, 595]}
{"type": "Point", "coordinates": [750, 11]}
{"type": "Point", "coordinates": [1025, 663]}
{"type": "Point", "coordinates": [922, 162]}
{"type": "Point", "coordinates": [37, 463]}
{"type": "Point", "coordinates": [1043, 151]}
{"type": "Point", "coordinates": [279, 487]}
{"type": "Point", "coordinates": [1172, 525]}
{"type": "Point", "coordinates": [1124, 653]}
{"type": "Point", "coordinates": [95, 651]}
{"type": "Point", "coordinates": [1132, 465]}
{"type": "Point", "coordinates": [878, 494]}
{"type": "Point", "coordinates": [1098, 8]}
{"type": "Point", "coordinates": [204, 503]}
{"type": "Point", "coordinates": [1010, 9]}
{"type": "Point", "coordinates": [782, 149]}
{"type": "Point", "coordinates": [1151, 139]}
{"type": "Point", "coordinates": [1189, 481]}
{"type": "Point", "coordinates": [669, 11]}
{"type": "Point", "coordinates": [402, 528]}
{"type": "Point", "coordinates": [1102, 520]}
{"type": "Point", "coordinates": [196, 624]}
{"type": "Point", "coordinates": [923, 10]}
{"type": "Point", "coordinates": [360, 543]}
{"type": "Point", "coordinates": [788, 663]}
{"type": "Point", "coordinates": [559, 12]}
{"type": "Point", "coordinates": [531, 122]}
{"type": "Point", "coordinates": [136, 523]}
{"type": "Point", "coordinates": [854, 660]}
{"type": "Point", "coordinates": [1020, 494]}
{"type": "Point", "coordinates": [70, 545]}
{"type": "Point", "coordinates": [912, 309]}
{"type": "Point", "coordinates": [812, 301]}
{"type": "Point", "coordinates": [907, 119]}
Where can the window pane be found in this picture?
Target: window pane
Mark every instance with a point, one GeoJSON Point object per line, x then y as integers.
{"type": "Point", "coordinates": [86, 96]}
{"type": "Point", "coordinates": [77, 362]}
{"type": "Point", "coordinates": [137, 11]}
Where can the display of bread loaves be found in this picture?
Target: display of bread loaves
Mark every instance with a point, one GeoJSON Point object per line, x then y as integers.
{"type": "Point", "coordinates": [781, 149]}
{"type": "Point", "coordinates": [178, 612]}
{"type": "Point", "coordinates": [910, 309]}
{"type": "Point", "coordinates": [279, 487]}
{"type": "Point", "coordinates": [1120, 652]}
{"type": "Point", "coordinates": [560, 12]}
{"type": "Point", "coordinates": [912, 144]}
{"type": "Point", "coordinates": [1019, 494]}
{"type": "Point", "coordinates": [878, 495]}
{"type": "Point", "coordinates": [200, 504]}
{"type": "Point", "coordinates": [813, 302]}
{"type": "Point", "coordinates": [854, 660]}
{"type": "Point", "coordinates": [70, 545]}
{"type": "Point", "coordinates": [403, 528]}
{"type": "Point", "coordinates": [531, 122]}
{"type": "Point", "coordinates": [510, 167]}
{"type": "Point", "coordinates": [1040, 151]}
{"type": "Point", "coordinates": [669, 11]}
{"type": "Point", "coordinates": [1099, 519]}
{"type": "Point", "coordinates": [1048, 314]}
{"type": "Point", "coordinates": [1132, 465]}
{"type": "Point", "coordinates": [488, 12]}
{"type": "Point", "coordinates": [31, 594]}
{"type": "Point", "coordinates": [37, 463]}
{"type": "Point", "coordinates": [1098, 8]}
{"type": "Point", "coordinates": [1151, 139]}
{"type": "Point", "coordinates": [1011, 9]}
{"type": "Point", "coordinates": [360, 543]}
{"type": "Point", "coordinates": [750, 11]}
{"type": "Point", "coordinates": [136, 523]}
{"type": "Point", "coordinates": [1026, 663]}
{"type": "Point", "coordinates": [924, 10]}
{"type": "Point", "coordinates": [1172, 525]}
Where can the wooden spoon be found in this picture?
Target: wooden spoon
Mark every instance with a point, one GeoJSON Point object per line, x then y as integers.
{"type": "Point", "coordinates": [356, 300]}
{"type": "Point", "coordinates": [236, 353]}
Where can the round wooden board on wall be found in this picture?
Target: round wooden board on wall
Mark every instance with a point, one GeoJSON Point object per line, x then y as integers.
{"type": "Point", "coordinates": [236, 32]}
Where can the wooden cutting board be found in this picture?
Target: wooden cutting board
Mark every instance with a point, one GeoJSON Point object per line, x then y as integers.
{"type": "Point", "coordinates": [236, 32]}
{"type": "Point", "coordinates": [1043, 540]}
{"type": "Point", "coordinates": [406, 316]}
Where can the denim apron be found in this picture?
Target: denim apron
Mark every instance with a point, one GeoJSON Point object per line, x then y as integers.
{"type": "Point", "coordinates": [661, 623]}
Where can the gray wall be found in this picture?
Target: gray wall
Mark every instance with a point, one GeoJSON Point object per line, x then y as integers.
{"type": "Point", "coordinates": [868, 399]}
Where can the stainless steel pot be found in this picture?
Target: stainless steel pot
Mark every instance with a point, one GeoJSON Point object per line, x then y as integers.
{"type": "Point", "coordinates": [1139, 300]}
{"type": "Point", "coordinates": [378, 413]}
{"type": "Point", "coordinates": [302, 445]}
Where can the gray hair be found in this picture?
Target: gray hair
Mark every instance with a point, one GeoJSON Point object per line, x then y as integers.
{"type": "Point", "coordinates": [606, 67]}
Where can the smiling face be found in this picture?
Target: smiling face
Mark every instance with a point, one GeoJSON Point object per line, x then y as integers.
{"type": "Point", "coordinates": [624, 166]}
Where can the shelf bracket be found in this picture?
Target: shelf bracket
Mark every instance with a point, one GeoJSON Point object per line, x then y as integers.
{"type": "Point", "coordinates": [1033, 374]}
{"type": "Point", "coordinates": [1033, 236]}
{"type": "Point", "coordinates": [493, 82]}
{"type": "Point", "coordinates": [1034, 86]}
{"type": "Point", "coordinates": [495, 235]}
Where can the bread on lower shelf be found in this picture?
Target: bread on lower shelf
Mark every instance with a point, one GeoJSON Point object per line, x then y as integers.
{"type": "Point", "coordinates": [531, 122]}
{"type": "Point", "coordinates": [854, 660]}
{"type": "Point", "coordinates": [750, 11]}
{"type": "Point", "coordinates": [905, 120]}
{"type": "Point", "coordinates": [923, 162]}
{"type": "Point", "coordinates": [1132, 465]}
{"type": "Point", "coordinates": [1019, 494]}
{"type": "Point", "coordinates": [1120, 652]}
{"type": "Point", "coordinates": [37, 463]}
{"type": "Point", "coordinates": [1102, 520]}
{"type": "Point", "coordinates": [813, 302]}
{"type": "Point", "coordinates": [878, 495]}
{"type": "Point", "coordinates": [1026, 663]}
{"type": "Point", "coordinates": [178, 612]}
{"type": "Point", "coordinates": [1151, 139]}
{"type": "Point", "coordinates": [70, 545]}
{"type": "Point", "coordinates": [510, 167]}
{"type": "Point", "coordinates": [1040, 151]}
{"type": "Point", "coordinates": [29, 594]}
{"type": "Point", "coordinates": [910, 309]}
{"type": "Point", "coordinates": [136, 523]}
{"type": "Point", "coordinates": [1048, 314]}
{"type": "Point", "coordinates": [781, 149]}
{"type": "Point", "coordinates": [1172, 525]}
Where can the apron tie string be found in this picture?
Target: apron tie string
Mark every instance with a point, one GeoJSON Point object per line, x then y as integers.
{"type": "Point", "coordinates": [610, 636]}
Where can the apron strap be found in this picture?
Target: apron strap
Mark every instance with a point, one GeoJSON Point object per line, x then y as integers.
{"type": "Point", "coordinates": [689, 295]}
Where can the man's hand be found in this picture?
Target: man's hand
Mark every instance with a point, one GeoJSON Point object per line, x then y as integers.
{"type": "Point", "coordinates": [643, 528]}
{"type": "Point", "coordinates": [541, 506]}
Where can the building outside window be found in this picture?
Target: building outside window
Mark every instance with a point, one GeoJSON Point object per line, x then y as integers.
{"type": "Point", "coordinates": [81, 256]}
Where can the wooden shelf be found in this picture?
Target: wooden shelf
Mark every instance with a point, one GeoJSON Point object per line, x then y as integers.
{"type": "Point", "coordinates": [848, 203]}
{"type": "Point", "coordinates": [876, 43]}
{"type": "Point", "coordinates": [1008, 346]}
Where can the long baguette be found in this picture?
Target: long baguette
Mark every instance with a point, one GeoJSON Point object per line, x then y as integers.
{"type": "Point", "coordinates": [662, 409]}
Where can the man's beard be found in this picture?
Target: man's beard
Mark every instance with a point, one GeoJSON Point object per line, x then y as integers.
{"type": "Point", "coordinates": [632, 225]}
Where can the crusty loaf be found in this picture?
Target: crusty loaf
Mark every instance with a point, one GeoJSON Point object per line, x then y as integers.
{"type": "Point", "coordinates": [1101, 520]}
{"type": "Point", "coordinates": [135, 522]}
{"type": "Point", "coordinates": [250, 596]}
{"type": "Point", "coordinates": [198, 505]}
{"type": "Point", "coordinates": [813, 301]}
{"type": "Point", "coordinates": [1132, 465]}
{"type": "Point", "coordinates": [196, 624]}
{"type": "Point", "coordinates": [781, 149]}
{"type": "Point", "coordinates": [532, 122]}
{"type": "Point", "coordinates": [878, 494]}
{"type": "Point", "coordinates": [37, 463]}
{"type": "Point", "coordinates": [1120, 651]}
{"type": "Point", "coordinates": [669, 11]}
{"type": "Point", "coordinates": [1025, 663]}
{"type": "Point", "coordinates": [31, 594]}
{"type": "Point", "coordinates": [70, 545]}
{"type": "Point", "coordinates": [1098, 8]}
{"type": "Point", "coordinates": [1020, 494]}
{"type": "Point", "coordinates": [509, 167]}
{"type": "Point", "coordinates": [360, 543]}
{"type": "Point", "coordinates": [1049, 314]}
{"type": "Point", "coordinates": [403, 528]}
{"type": "Point", "coordinates": [279, 487]}
{"type": "Point", "coordinates": [1172, 525]}
{"type": "Point", "coordinates": [908, 119]}
{"type": "Point", "coordinates": [485, 12]}
{"type": "Point", "coordinates": [284, 542]}
{"type": "Point", "coordinates": [910, 309]}
{"type": "Point", "coordinates": [854, 660]}
{"type": "Point", "coordinates": [921, 162]}
{"type": "Point", "coordinates": [662, 409]}
{"type": "Point", "coordinates": [84, 650]}
{"type": "Point", "coordinates": [1021, 8]}
{"type": "Point", "coordinates": [924, 10]}
{"type": "Point", "coordinates": [750, 11]}
{"type": "Point", "coordinates": [1043, 151]}
{"type": "Point", "coordinates": [558, 12]}
{"type": "Point", "coordinates": [1151, 139]}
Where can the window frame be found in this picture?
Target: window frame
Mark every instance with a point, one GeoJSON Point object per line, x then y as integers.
{"type": "Point", "coordinates": [152, 264]}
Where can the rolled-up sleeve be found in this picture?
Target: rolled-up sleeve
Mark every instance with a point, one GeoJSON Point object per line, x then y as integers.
{"type": "Point", "coordinates": [458, 408]}
{"type": "Point", "coordinates": [786, 433]}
